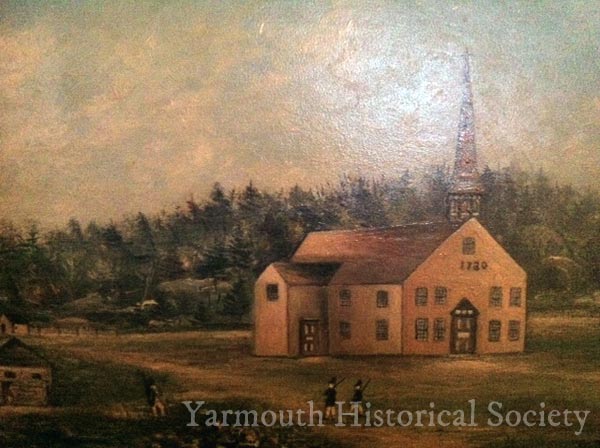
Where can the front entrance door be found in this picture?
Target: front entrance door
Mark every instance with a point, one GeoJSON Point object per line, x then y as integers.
{"type": "Point", "coordinates": [309, 337]}
{"type": "Point", "coordinates": [464, 328]}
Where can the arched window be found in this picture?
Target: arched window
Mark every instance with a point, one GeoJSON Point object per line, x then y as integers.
{"type": "Point", "coordinates": [468, 246]}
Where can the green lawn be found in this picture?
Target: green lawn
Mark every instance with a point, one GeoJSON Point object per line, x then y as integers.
{"type": "Point", "coordinates": [561, 368]}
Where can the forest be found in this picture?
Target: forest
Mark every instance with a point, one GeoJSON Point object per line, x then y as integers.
{"type": "Point", "coordinates": [217, 246]}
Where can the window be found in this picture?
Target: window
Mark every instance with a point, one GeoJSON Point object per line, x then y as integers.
{"type": "Point", "coordinates": [514, 330]}
{"type": "Point", "coordinates": [272, 291]}
{"type": "Point", "coordinates": [381, 330]}
{"type": "Point", "coordinates": [421, 329]}
{"type": "Point", "coordinates": [345, 297]}
{"type": "Point", "coordinates": [468, 246]}
{"type": "Point", "coordinates": [9, 374]}
{"type": "Point", "coordinates": [421, 297]}
{"type": "Point", "coordinates": [382, 299]}
{"type": "Point", "coordinates": [495, 329]}
{"type": "Point", "coordinates": [36, 376]}
{"type": "Point", "coordinates": [345, 330]}
{"type": "Point", "coordinates": [439, 330]}
{"type": "Point", "coordinates": [441, 294]}
{"type": "Point", "coordinates": [515, 297]}
{"type": "Point", "coordinates": [496, 296]}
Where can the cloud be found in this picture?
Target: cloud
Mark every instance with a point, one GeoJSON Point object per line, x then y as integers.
{"type": "Point", "coordinates": [134, 106]}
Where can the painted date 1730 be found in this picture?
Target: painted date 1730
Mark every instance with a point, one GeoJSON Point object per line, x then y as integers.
{"type": "Point", "coordinates": [473, 265]}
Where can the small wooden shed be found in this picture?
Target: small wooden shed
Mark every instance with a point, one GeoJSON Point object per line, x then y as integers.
{"type": "Point", "coordinates": [10, 324]}
{"type": "Point", "coordinates": [25, 375]}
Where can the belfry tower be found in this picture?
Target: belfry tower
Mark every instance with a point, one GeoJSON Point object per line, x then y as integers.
{"type": "Point", "coordinates": [464, 195]}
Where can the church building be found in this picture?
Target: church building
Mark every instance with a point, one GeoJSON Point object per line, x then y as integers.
{"type": "Point", "coordinates": [427, 288]}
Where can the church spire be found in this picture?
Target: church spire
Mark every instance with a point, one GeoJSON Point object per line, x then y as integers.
{"type": "Point", "coordinates": [465, 193]}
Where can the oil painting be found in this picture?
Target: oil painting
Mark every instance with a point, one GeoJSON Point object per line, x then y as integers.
{"type": "Point", "coordinates": [299, 224]}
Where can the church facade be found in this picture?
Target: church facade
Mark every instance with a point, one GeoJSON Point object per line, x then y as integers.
{"type": "Point", "coordinates": [425, 288]}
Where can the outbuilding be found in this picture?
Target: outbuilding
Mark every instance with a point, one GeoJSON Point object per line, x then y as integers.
{"type": "Point", "coordinates": [25, 375]}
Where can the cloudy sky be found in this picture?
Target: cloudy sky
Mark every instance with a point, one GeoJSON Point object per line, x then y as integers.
{"type": "Point", "coordinates": [107, 108]}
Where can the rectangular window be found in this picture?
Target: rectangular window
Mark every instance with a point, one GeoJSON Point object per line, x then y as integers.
{"type": "Point", "coordinates": [496, 296]}
{"type": "Point", "coordinates": [36, 376]}
{"type": "Point", "coordinates": [382, 299]}
{"type": "Point", "coordinates": [421, 329]}
{"type": "Point", "coordinates": [441, 295]}
{"type": "Point", "coordinates": [515, 297]}
{"type": "Point", "coordinates": [421, 296]}
{"type": "Point", "coordinates": [495, 329]}
{"type": "Point", "coordinates": [9, 374]}
{"type": "Point", "coordinates": [345, 297]}
{"type": "Point", "coordinates": [514, 330]}
{"type": "Point", "coordinates": [345, 330]}
{"type": "Point", "coordinates": [272, 291]}
{"type": "Point", "coordinates": [468, 246]}
{"type": "Point", "coordinates": [381, 330]}
{"type": "Point", "coordinates": [439, 330]}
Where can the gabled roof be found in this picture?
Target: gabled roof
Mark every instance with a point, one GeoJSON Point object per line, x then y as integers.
{"type": "Point", "coordinates": [371, 256]}
{"type": "Point", "coordinates": [14, 318]}
{"type": "Point", "coordinates": [305, 274]}
{"type": "Point", "coordinates": [16, 353]}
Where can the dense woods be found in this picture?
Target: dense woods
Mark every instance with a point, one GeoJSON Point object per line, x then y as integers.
{"type": "Point", "coordinates": [106, 272]}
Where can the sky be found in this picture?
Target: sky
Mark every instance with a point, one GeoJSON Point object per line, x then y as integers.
{"type": "Point", "coordinates": [114, 107]}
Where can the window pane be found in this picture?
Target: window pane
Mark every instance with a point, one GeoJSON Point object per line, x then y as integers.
{"type": "Point", "coordinates": [496, 296]}
{"type": "Point", "coordinates": [439, 330]}
{"type": "Point", "coordinates": [515, 296]}
{"type": "Point", "coordinates": [345, 330]}
{"type": "Point", "coordinates": [514, 330]}
{"type": "Point", "coordinates": [421, 296]}
{"type": "Point", "coordinates": [468, 247]}
{"type": "Point", "coordinates": [381, 330]}
{"type": "Point", "coordinates": [345, 297]}
{"type": "Point", "coordinates": [382, 299]}
{"type": "Point", "coordinates": [272, 291]}
{"type": "Point", "coordinates": [421, 329]}
{"type": "Point", "coordinates": [441, 294]}
{"type": "Point", "coordinates": [494, 330]}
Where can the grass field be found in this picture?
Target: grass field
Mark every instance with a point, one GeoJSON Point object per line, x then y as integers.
{"type": "Point", "coordinates": [101, 377]}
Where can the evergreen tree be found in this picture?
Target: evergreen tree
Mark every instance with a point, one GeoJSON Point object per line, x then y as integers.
{"type": "Point", "coordinates": [238, 301]}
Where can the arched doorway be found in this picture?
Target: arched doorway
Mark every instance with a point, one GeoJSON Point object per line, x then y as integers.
{"type": "Point", "coordinates": [463, 338]}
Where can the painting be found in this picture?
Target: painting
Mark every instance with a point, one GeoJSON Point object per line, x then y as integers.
{"type": "Point", "coordinates": [299, 224]}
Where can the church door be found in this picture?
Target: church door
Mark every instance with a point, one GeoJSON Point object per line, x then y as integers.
{"type": "Point", "coordinates": [309, 337]}
{"type": "Point", "coordinates": [3, 329]}
{"type": "Point", "coordinates": [464, 328]}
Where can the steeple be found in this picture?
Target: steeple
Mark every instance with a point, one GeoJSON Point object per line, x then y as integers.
{"type": "Point", "coordinates": [464, 196]}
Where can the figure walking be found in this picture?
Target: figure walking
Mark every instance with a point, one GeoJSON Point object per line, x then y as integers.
{"type": "Point", "coordinates": [330, 398]}
{"type": "Point", "coordinates": [357, 397]}
{"type": "Point", "coordinates": [157, 406]}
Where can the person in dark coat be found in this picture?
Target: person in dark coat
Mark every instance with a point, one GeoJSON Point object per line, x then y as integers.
{"type": "Point", "coordinates": [357, 397]}
{"type": "Point", "coordinates": [330, 398]}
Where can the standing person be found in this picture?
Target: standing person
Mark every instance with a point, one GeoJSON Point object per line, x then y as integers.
{"type": "Point", "coordinates": [357, 397]}
{"type": "Point", "coordinates": [330, 398]}
{"type": "Point", "coordinates": [155, 401]}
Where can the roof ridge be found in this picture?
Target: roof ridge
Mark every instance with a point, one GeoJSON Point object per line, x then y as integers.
{"type": "Point", "coordinates": [392, 227]}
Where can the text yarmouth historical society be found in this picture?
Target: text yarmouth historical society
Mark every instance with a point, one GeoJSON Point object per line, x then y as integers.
{"type": "Point", "coordinates": [498, 415]}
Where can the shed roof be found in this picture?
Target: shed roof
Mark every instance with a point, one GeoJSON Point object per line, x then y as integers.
{"type": "Point", "coordinates": [372, 256]}
{"type": "Point", "coordinates": [306, 274]}
{"type": "Point", "coordinates": [16, 353]}
{"type": "Point", "coordinates": [14, 318]}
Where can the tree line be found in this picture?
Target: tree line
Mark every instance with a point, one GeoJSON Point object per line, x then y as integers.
{"type": "Point", "coordinates": [552, 230]}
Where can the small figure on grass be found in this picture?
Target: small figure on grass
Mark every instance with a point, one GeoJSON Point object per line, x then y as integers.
{"type": "Point", "coordinates": [357, 397]}
{"type": "Point", "coordinates": [155, 401]}
{"type": "Point", "coordinates": [330, 398]}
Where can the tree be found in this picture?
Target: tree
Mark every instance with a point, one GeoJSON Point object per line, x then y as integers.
{"type": "Point", "coordinates": [238, 301]}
